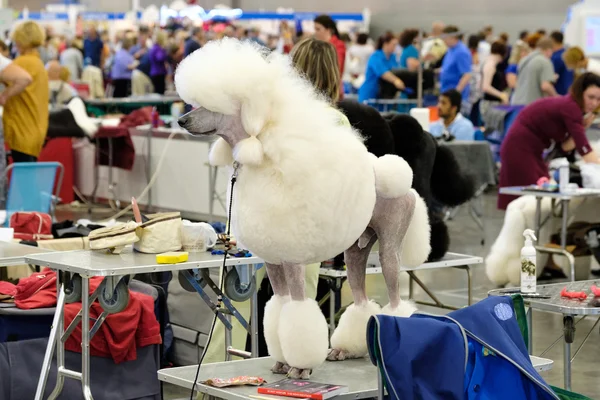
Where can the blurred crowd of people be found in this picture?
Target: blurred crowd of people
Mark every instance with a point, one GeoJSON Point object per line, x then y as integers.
{"type": "Point", "coordinates": [475, 72]}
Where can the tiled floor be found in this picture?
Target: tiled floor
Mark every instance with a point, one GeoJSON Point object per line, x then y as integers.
{"type": "Point", "coordinates": [451, 284]}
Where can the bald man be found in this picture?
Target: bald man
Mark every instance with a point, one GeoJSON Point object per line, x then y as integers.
{"type": "Point", "coordinates": [434, 47]}
{"type": "Point", "coordinates": [58, 81]}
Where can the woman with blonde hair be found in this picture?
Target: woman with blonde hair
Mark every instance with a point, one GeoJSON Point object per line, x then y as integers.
{"type": "Point", "coordinates": [25, 114]}
{"type": "Point", "coordinates": [158, 62]}
{"type": "Point", "coordinates": [317, 61]}
{"type": "Point", "coordinates": [575, 59]}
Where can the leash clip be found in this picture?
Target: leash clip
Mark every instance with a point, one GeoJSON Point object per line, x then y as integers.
{"type": "Point", "coordinates": [236, 167]}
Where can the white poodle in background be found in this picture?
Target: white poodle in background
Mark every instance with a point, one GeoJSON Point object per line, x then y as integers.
{"type": "Point", "coordinates": [307, 189]}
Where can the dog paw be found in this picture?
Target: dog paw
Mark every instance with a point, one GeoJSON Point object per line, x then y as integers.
{"type": "Point", "coordinates": [339, 355]}
{"type": "Point", "coordinates": [298, 373]}
{"type": "Point", "coordinates": [280, 368]}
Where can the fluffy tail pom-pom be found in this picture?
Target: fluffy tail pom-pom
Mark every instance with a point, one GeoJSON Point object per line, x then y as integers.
{"type": "Point", "coordinates": [220, 154]}
{"type": "Point", "coordinates": [249, 151]}
{"type": "Point", "coordinates": [416, 245]}
{"type": "Point", "coordinates": [393, 176]}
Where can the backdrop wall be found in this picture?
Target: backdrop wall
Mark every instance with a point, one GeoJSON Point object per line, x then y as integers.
{"type": "Point", "coordinates": [470, 15]}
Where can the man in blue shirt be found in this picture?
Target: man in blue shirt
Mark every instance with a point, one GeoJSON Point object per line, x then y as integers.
{"type": "Point", "coordinates": [92, 49]}
{"type": "Point", "coordinates": [564, 76]}
{"type": "Point", "coordinates": [140, 80]}
{"type": "Point", "coordinates": [194, 42]}
{"type": "Point", "coordinates": [451, 121]}
{"type": "Point", "coordinates": [457, 63]}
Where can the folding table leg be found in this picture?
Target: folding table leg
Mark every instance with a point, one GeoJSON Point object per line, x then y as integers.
{"type": "Point", "coordinates": [85, 338]}
{"type": "Point", "coordinates": [54, 341]}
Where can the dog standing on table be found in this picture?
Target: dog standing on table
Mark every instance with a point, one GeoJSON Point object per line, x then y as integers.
{"type": "Point", "coordinates": [307, 189]}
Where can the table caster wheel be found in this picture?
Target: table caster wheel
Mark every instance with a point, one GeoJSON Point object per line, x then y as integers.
{"type": "Point", "coordinates": [234, 290]}
{"type": "Point", "coordinates": [73, 290]}
{"type": "Point", "coordinates": [116, 301]}
{"type": "Point", "coordinates": [186, 285]}
{"type": "Point", "coordinates": [569, 329]}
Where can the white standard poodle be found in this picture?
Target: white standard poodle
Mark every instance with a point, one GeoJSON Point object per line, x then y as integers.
{"type": "Point", "coordinates": [306, 190]}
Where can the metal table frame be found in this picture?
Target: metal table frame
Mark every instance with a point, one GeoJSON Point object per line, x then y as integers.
{"type": "Point", "coordinates": [451, 260]}
{"type": "Point", "coordinates": [568, 308]}
{"type": "Point", "coordinates": [115, 269]}
{"type": "Point", "coordinates": [565, 200]}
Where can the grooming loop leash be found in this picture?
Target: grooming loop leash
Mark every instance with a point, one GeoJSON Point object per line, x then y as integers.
{"type": "Point", "coordinates": [220, 297]}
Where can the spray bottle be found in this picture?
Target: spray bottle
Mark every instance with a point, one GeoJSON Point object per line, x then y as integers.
{"type": "Point", "coordinates": [528, 261]}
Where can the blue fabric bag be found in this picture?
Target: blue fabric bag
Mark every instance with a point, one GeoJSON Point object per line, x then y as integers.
{"type": "Point", "coordinates": [476, 353]}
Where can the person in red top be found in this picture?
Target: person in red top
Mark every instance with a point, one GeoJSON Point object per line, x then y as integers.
{"type": "Point", "coordinates": [326, 30]}
{"type": "Point", "coordinates": [559, 121]}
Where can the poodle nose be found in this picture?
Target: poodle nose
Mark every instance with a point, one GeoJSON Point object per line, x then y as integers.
{"type": "Point", "coordinates": [183, 120]}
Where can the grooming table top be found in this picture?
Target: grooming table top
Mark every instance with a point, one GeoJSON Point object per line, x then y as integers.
{"type": "Point", "coordinates": [359, 375]}
{"type": "Point", "coordinates": [524, 191]}
{"type": "Point", "coordinates": [449, 260]}
{"type": "Point", "coordinates": [88, 263]}
{"type": "Point", "coordinates": [556, 303]}
{"type": "Point", "coordinates": [149, 100]}
{"type": "Point", "coordinates": [14, 253]}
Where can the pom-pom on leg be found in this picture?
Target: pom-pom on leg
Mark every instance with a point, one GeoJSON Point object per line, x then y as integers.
{"type": "Point", "coordinates": [348, 340]}
{"type": "Point", "coordinates": [271, 322]}
{"type": "Point", "coordinates": [303, 335]}
{"type": "Point", "coordinates": [405, 309]}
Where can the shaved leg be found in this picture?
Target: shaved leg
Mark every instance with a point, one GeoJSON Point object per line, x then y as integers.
{"type": "Point", "coordinates": [356, 262]}
{"type": "Point", "coordinates": [276, 275]}
{"type": "Point", "coordinates": [348, 340]}
{"type": "Point", "coordinates": [294, 276]}
{"type": "Point", "coordinates": [391, 220]}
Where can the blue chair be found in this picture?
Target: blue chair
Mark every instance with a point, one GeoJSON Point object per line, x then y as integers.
{"type": "Point", "coordinates": [31, 187]}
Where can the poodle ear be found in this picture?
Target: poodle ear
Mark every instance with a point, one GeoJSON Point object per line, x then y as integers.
{"type": "Point", "coordinates": [220, 154]}
{"type": "Point", "coordinates": [254, 114]}
{"type": "Point", "coordinates": [249, 151]}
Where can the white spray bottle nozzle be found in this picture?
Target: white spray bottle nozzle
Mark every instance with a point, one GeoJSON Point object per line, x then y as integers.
{"type": "Point", "coordinates": [529, 235]}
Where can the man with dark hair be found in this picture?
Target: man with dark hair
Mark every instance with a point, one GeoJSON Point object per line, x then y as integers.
{"type": "Point", "coordinates": [141, 83]}
{"type": "Point", "coordinates": [451, 121]}
{"type": "Point", "coordinates": [564, 76]}
{"type": "Point", "coordinates": [195, 41]}
{"type": "Point", "coordinates": [457, 63]}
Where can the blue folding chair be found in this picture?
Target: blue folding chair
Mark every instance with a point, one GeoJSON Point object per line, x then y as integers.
{"type": "Point", "coordinates": [31, 187]}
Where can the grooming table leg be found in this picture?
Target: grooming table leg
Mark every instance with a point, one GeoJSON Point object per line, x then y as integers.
{"type": "Point", "coordinates": [569, 330]}
{"type": "Point", "coordinates": [436, 302]}
{"type": "Point", "coordinates": [253, 318]}
{"type": "Point", "coordinates": [530, 330]}
{"type": "Point", "coordinates": [53, 342]}
{"type": "Point", "coordinates": [332, 301]}
{"type": "Point", "coordinates": [229, 308]}
{"type": "Point", "coordinates": [538, 216]}
{"type": "Point", "coordinates": [85, 339]}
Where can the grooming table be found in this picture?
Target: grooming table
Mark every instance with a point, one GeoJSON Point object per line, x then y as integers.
{"type": "Point", "coordinates": [14, 253]}
{"type": "Point", "coordinates": [337, 277]}
{"type": "Point", "coordinates": [564, 199]}
{"type": "Point", "coordinates": [359, 375]}
{"type": "Point", "coordinates": [128, 104]}
{"type": "Point", "coordinates": [77, 267]}
{"type": "Point", "coordinates": [568, 308]}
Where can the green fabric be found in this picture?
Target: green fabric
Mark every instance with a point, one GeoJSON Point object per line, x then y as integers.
{"type": "Point", "coordinates": [566, 395]}
{"type": "Point", "coordinates": [519, 307]}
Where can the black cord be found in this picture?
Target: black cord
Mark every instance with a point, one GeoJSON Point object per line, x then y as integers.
{"type": "Point", "coordinates": [221, 280]}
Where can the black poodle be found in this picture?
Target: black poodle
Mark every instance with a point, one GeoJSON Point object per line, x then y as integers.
{"type": "Point", "coordinates": [437, 175]}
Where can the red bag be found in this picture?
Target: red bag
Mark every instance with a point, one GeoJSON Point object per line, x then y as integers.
{"type": "Point", "coordinates": [31, 225]}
